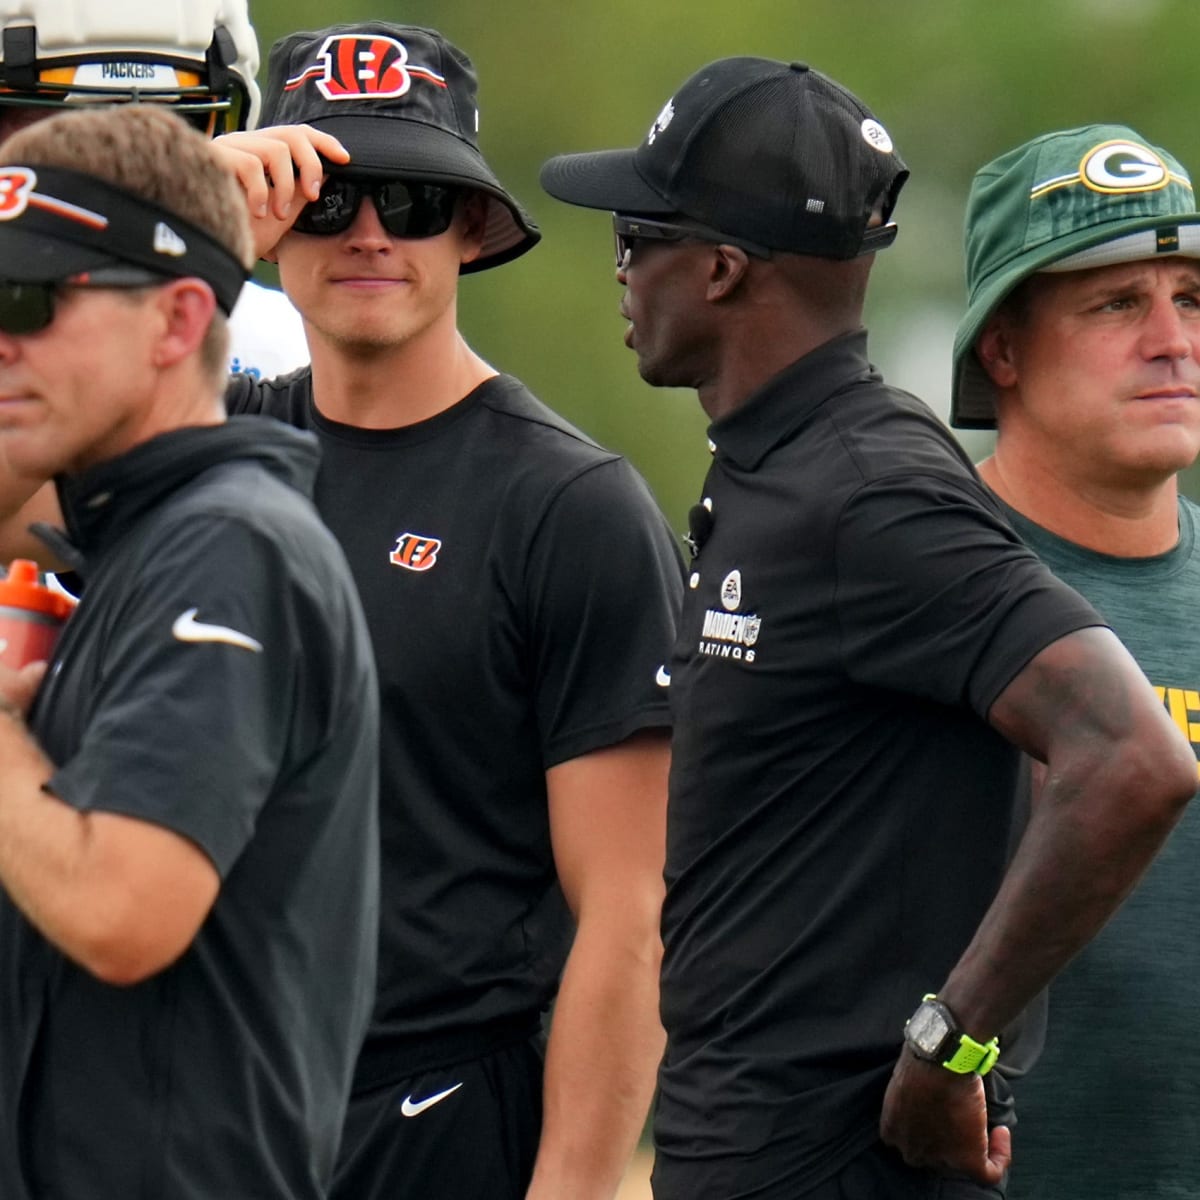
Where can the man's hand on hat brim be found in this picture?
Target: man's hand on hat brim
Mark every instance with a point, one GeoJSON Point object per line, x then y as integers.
{"type": "Point", "coordinates": [281, 168]}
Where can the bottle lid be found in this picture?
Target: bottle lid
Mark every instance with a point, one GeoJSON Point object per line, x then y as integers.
{"type": "Point", "coordinates": [20, 589]}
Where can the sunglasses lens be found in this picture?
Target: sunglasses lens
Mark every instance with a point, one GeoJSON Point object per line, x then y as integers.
{"type": "Point", "coordinates": [333, 211]}
{"type": "Point", "coordinates": [406, 210]}
{"type": "Point", "coordinates": [26, 307]}
{"type": "Point", "coordinates": [415, 210]}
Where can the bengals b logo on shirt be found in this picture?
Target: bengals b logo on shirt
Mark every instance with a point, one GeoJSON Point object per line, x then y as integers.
{"type": "Point", "coordinates": [414, 552]}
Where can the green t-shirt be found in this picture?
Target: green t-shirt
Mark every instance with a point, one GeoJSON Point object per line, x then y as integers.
{"type": "Point", "coordinates": [1111, 1111]}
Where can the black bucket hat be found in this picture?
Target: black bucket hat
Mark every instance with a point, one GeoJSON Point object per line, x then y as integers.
{"type": "Point", "coordinates": [402, 100]}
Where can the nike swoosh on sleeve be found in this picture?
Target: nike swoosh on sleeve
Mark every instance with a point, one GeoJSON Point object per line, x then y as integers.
{"type": "Point", "coordinates": [188, 629]}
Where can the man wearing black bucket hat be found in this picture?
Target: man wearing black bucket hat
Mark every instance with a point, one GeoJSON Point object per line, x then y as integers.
{"type": "Point", "coordinates": [864, 646]}
{"type": "Point", "coordinates": [521, 588]}
{"type": "Point", "coordinates": [185, 964]}
{"type": "Point", "coordinates": [1081, 345]}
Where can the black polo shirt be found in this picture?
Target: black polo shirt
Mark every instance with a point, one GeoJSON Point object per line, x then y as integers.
{"type": "Point", "coordinates": [216, 680]}
{"type": "Point", "coordinates": [521, 589]}
{"type": "Point", "coordinates": [840, 809]}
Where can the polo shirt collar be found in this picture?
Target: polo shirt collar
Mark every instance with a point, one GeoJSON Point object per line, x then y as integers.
{"type": "Point", "coordinates": [100, 504]}
{"type": "Point", "coordinates": [774, 413]}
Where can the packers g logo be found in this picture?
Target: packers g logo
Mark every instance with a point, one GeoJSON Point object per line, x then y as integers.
{"type": "Point", "coordinates": [414, 552]}
{"type": "Point", "coordinates": [16, 184]}
{"type": "Point", "coordinates": [352, 67]}
{"type": "Point", "coordinates": [1119, 167]}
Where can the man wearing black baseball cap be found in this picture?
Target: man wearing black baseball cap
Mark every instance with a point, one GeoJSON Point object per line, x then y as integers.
{"type": "Point", "coordinates": [1081, 345]}
{"type": "Point", "coordinates": [865, 648]}
{"type": "Point", "coordinates": [524, 745]}
{"type": "Point", "coordinates": [182, 793]}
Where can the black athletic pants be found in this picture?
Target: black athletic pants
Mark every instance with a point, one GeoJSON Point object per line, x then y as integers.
{"type": "Point", "coordinates": [463, 1132]}
{"type": "Point", "coordinates": [879, 1173]}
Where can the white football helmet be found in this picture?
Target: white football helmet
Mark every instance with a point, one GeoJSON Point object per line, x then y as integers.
{"type": "Point", "coordinates": [199, 56]}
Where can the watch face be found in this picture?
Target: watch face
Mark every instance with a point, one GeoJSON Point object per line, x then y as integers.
{"type": "Point", "coordinates": [927, 1029]}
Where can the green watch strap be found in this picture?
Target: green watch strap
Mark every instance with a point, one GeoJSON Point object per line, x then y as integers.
{"type": "Point", "coordinates": [972, 1056]}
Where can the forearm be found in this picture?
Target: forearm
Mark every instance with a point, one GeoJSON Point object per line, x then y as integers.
{"type": "Point", "coordinates": [119, 896]}
{"type": "Point", "coordinates": [605, 1044]}
{"type": "Point", "coordinates": [1091, 835]}
{"type": "Point", "coordinates": [42, 840]}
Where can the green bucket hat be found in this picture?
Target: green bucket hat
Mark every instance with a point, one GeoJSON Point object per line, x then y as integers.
{"type": "Point", "coordinates": [1066, 201]}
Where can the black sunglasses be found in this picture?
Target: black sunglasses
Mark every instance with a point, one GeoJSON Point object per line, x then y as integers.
{"type": "Point", "coordinates": [407, 209]}
{"type": "Point", "coordinates": [30, 307]}
{"type": "Point", "coordinates": [628, 231]}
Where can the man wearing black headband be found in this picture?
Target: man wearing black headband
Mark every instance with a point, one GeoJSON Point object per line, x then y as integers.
{"type": "Point", "coordinates": [185, 964]}
{"type": "Point", "coordinates": [199, 57]}
{"type": "Point", "coordinates": [521, 588]}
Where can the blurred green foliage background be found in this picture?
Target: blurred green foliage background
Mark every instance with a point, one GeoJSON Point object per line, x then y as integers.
{"type": "Point", "coordinates": [955, 82]}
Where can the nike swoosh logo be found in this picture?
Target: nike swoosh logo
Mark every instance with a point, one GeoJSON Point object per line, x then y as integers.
{"type": "Point", "coordinates": [411, 1108]}
{"type": "Point", "coordinates": [188, 629]}
{"type": "Point", "coordinates": [662, 676]}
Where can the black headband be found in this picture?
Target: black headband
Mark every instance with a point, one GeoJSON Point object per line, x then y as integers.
{"type": "Point", "coordinates": [56, 223]}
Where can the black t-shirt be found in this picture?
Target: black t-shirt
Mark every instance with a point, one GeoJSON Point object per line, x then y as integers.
{"type": "Point", "coordinates": [840, 809]}
{"type": "Point", "coordinates": [521, 589]}
{"type": "Point", "coordinates": [217, 680]}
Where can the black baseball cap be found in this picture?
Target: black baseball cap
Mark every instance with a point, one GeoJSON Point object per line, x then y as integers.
{"type": "Point", "coordinates": [772, 152]}
{"type": "Point", "coordinates": [58, 224]}
{"type": "Point", "coordinates": [402, 100]}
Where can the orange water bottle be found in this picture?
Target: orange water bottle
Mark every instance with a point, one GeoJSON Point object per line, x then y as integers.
{"type": "Point", "coordinates": [31, 615]}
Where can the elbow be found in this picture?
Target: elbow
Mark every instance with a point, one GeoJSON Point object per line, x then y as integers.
{"type": "Point", "coordinates": [1161, 778]}
{"type": "Point", "coordinates": [121, 966]}
{"type": "Point", "coordinates": [1181, 773]}
{"type": "Point", "coordinates": [122, 955]}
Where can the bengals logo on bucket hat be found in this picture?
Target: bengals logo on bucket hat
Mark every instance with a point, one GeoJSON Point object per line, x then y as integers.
{"type": "Point", "coordinates": [358, 81]}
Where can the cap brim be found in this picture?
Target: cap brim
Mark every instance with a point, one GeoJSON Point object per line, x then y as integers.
{"type": "Point", "coordinates": [27, 257]}
{"type": "Point", "coordinates": [972, 393]}
{"type": "Point", "coordinates": [409, 148]}
{"type": "Point", "coordinates": [605, 179]}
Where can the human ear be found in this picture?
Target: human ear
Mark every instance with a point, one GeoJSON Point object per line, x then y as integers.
{"type": "Point", "coordinates": [995, 351]}
{"type": "Point", "coordinates": [473, 223]}
{"type": "Point", "coordinates": [185, 308]}
{"type": "Point", "coordinates": [729, 265]}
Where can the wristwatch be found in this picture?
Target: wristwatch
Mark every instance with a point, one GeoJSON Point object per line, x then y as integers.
{"type": "Point", "coordinates": [933, 1034]}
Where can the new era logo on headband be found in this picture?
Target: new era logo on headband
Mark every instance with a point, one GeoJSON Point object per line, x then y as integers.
{"type": "Point", "coordinates": [352, 67]}
{"type": "Point", "coordinates": [167, 241]}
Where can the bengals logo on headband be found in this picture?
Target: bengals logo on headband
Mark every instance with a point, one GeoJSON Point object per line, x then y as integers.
{"type": "Point", "coordinates": [16, 184]}
{"type": "Point", "coordinates": [352, 67]}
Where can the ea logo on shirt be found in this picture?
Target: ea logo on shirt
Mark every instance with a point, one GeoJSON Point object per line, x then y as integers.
{"type": "Point", "coordinates": [731, 590]}
{"type": "Point", "coordinates": [1120, 167]}
{"type": "Point", "coordinates": [414, 552]}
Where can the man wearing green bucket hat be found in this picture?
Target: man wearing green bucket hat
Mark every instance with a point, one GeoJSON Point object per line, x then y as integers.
{"type": "Point", "coordinates": [1081, 345]}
